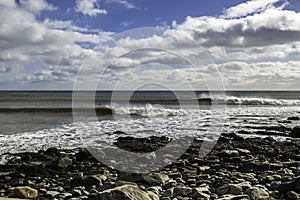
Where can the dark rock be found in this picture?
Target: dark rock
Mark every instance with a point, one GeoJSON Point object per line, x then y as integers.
{"type": "Point", "coordinates": [293, 118]}
{"type": "Point", "coordinates": [290, 186]}
{"type": "Point", "coordinates": [291, 195]}
{"type": "Point", "coordinates": [295, 133]}
{"type": "Point", "coordinates": [254, 167]}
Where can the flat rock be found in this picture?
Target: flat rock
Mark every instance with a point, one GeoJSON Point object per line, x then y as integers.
{"type": "Point", "coordinates": [126, 192]}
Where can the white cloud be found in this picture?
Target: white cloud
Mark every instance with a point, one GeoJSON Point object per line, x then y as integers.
{"type": "Point", "coordinates": [36, 6]}
{"type": "Point", "coordinates": [260, 50]}
{"type": "Point", "coordinates": [124, 3]}
{"type": "Point", "coordinates": [89, 7]}
{"type": "Point", "coordinates": [7, 3]}
{"type": "Point", "coordinates": [250, 7]}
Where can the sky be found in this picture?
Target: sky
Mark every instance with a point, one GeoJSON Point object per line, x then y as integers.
{"type": "Point", "coordinates": [150, 44]}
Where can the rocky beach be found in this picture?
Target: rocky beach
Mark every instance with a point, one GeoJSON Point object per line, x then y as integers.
{"type": "Point", "coordinates": [237, 168]}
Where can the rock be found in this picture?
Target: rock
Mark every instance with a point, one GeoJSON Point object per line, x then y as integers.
{"type": "Point", "coordinates": [51, 193]}
{"type": "Point", "coordinates": [293, 118]}
{"type": "Point", "coordinates": [121, 183]}
{"type": "Point", "coordinates": [290, 186]}
{"type": "Point", "coordinates": [201, 193]}
{"type": "Point", "coordinates": [182, 191]}
{"type": "Point", "coordinates": [64, 162]}
{"type": "Point", "coordinates": [155, 179]}
{"type": "Point", "coordinates": [126, 192]}
{"type": "Point", "coordinates": [168, 193]}
{"type": "Point", "coordinates": [291, 195]}
{"type": "Point", "coordinates": [234, 197]}
{"type": "Point", "coordinates": [254, 167]}
{"type": "Point", "coordinates": [229, 153]}
{"type": "Point", "coordinates": [230, 189]}
{"type": "Point", "coordinates": [83, 155]}
{"type": "Point", "coordinates": [257, 192]}
{"type": "Point", "coordinates": [295, 133]}
{"type": "Point", "coordinates": [25, 192]}
{"type": "Point", "coordinates": [96, 179]}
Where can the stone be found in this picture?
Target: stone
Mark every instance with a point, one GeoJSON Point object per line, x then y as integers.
{"type": "Point", "coordinates": [126, 192]}
{"type": "Point", "coordinates": [254, 167]}
{"type": "Point", "coordinates": [182, 191]}
{"type": "Point", "coordinates": [64, 162]}
{"type": "Point", "coordinates": [234, 197]}
{"type": "Point", "coordinates": [121, 183]}
{"type": "Point", "coordinates": [201, 193]}
{"type": "Point", "coordinates": [155, 179]}
{"type": "Point", "coordinates": [257, 192]}
{"type": "Point", "coordinates": [293, 118]}
{"type": "Point", "coordinates": [290, 186]}
{"type": "Point", "coordinates": [25, 192]}
{"type": "Point", "coordinates": [291, 195]}
{"type": "Point", "coordinates": [230, 189]}
{"type": "Point", "coordinates": [52, 193]}
{"type": "Point", "coordinates": [229, 153]}
{"type": "Point", "coordinates": [168, 193]}
{"type": "Point", "coordinates": [295, 133]}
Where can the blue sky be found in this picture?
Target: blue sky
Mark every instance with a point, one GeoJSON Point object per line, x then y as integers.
{"type": "Point", "coordinates": [236, 44]}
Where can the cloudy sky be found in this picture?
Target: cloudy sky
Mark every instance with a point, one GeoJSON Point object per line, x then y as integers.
{"type": "Point", "coordinates": [144, 44]}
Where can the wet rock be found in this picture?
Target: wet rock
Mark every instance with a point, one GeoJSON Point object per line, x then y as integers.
{"type": "Point", "coordinates": [293, 118]}
{"type": "Point", "coordinates": [25, 192]}
{"type": "Point", "coordinates": [295, 133]}
{"type": "Point", "coordinates": [126, 192]}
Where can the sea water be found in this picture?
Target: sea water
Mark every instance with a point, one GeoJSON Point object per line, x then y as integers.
{"type": "Point", "coordinates": [33, 120]}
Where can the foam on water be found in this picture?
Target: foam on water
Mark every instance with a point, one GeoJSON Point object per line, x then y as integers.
{"type": "Point", "coordinates": [173, 123]}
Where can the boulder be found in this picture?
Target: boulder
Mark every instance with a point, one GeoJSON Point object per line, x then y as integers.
{"type": "Point", "coordinates": [257, 192]}
{"type": "Point", "coordinates": [25, 192]}
{"type": "Point", "coordinates": [295, 133]}
{"type": "Point", "coordinates": [126, 192]}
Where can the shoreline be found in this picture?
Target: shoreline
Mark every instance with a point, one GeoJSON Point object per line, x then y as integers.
{"type": "Point", "coordinates": [237, 168]}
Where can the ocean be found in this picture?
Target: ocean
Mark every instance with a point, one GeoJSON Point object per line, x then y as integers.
{"type": "Point", "coordinates": [33, 120]}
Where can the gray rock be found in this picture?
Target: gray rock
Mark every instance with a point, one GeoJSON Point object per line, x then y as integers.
{"type": "Point", "coordinates": [257, 192]}
{"type": "Point", "coordinates": [155, 179]}
{"type": "Point", "coordinates": [52, 193]}
{"type": "Point", "coordinates": [182, 191]}
{"type": "Point", "coordinates": [234, 197]}
{"type": "Point", "coordinates": [235, 189]}
{"type": "Point", "coordinates": [126, 192]}
{"type": "Point", "coordinates": [64, 162]}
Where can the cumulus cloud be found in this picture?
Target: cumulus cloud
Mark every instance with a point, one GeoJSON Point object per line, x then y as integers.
{"type": "Point", "coordinates": [36, 6]}
{"type": "Point", "coordinates": [250, 7]}
{"type": "Point", "coordinates": [259, 50]}
{"type": "Point", "coordinates": [89, 7]}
